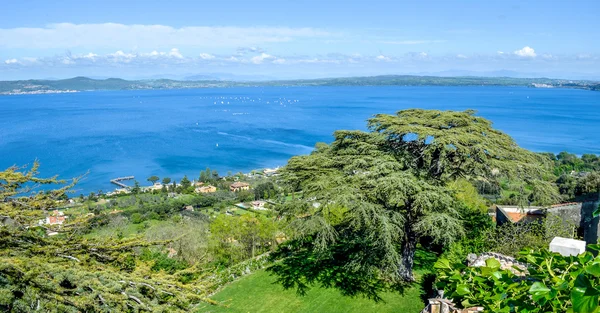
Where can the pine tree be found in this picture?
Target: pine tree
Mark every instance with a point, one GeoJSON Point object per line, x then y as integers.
{"type": "Point", "coordinates": [369, 197]}
{"type": "Point", "coordinates": [69, 273]}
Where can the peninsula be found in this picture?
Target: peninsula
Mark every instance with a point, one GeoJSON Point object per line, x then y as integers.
{"type": "Point", "coordinates": [88, 84]}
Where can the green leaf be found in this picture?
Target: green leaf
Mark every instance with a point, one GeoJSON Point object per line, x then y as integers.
{"type": "Point", "coordinates": [442, 264]}
{"type": "Point", "coordinates": [492, 263]}
{"type": "Point", "coordinates": [538, 290]}
{"type": "Point", "coordinates": [593, 247]}
{"type": "Point", "coordinates": [593, 269]}
{"type": "Point", "coordinates": [462, 290]}
{"type": "Point", "coordinates": [596, 212]}
{"type": "Point", "coordinates": [585, 257]}
{"type": "Point", "coordinates": [584, 296]}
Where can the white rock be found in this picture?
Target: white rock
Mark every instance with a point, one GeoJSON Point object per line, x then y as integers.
{"type": "Point", "coordinates": [567, 246]}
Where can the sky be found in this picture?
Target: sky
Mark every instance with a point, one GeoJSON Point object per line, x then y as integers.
{"type": "Point", "coordinates": [299, 39]}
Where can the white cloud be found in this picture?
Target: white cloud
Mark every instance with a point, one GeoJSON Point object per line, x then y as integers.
{"type": "Point", "coordinates": [30, 59]}
{"type": "Point", "coordinates": [11, 61]}
{"type": "Point", "coordinates": [232, 59]}
{"type": "Point", "coordinates": [526, 52]}
{"type": "Point", "coordinates": [383, 58]}
{"type": "Point", "coordinates": [122, 55]}
{"type": "Point", "coordinates": [317, 60]}
{"type": "Point", "coordinates": [461, 56]}
{"type": "Point", "coordinates": [206, 56]}
{"type": "Point", "coordinates": [583, 56]}
{"type": "Point", "coordinates": [67, 60]}
{"type": "Point", "coordinates": [89, 56]}
{"type": "Point", "coordinates": [121, 36]}
{"type": "Point", "coordinates": [175, 53]}
{"type": "Point", "coordinates": [241, 51]}
{"type": "Point", "coordinates": [548, 56]}
{"type": "Point", "coordinates": [261, 58]}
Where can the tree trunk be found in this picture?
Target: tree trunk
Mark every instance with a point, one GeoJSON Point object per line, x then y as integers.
{"type": "Point", "coordinates": [405, 269]}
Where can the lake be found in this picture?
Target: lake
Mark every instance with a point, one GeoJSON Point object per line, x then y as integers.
{"type": "Point", "coordinates": [176, 132]}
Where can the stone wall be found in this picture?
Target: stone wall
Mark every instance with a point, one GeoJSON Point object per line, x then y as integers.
{"type": "Point", "coordinates": [589, 223]}
{"type": "Point", "coordinates": [506, 262]}
{"type": "Point", "coordinates": [581, 215]}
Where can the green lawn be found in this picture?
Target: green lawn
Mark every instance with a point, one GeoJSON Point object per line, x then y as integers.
{"type": "Point", "coordinates": [127, 229]}
{"type": "Point", "coordinates": [257, 293]}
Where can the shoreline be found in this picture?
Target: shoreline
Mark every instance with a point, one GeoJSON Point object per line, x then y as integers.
{"type": "Point", "coordinates": [36, 92]}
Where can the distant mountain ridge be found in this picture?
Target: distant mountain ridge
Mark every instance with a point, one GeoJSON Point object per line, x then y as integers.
{"type": "Point", "coordinates": [81, 83]}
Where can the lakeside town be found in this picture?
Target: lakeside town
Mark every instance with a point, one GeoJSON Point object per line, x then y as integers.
{"type": "Point", "coordinates": [300, 156]}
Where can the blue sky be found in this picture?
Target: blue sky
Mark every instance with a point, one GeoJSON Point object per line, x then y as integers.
{"type": "Point", "coordinates": [302, 38]}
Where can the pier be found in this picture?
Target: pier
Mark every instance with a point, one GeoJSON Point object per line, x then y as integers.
{"type": "Point", "coordinates": [117, 181]}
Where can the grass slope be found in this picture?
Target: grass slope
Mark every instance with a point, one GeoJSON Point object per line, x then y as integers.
{"type": "Point", "coordinates": [257, 294]}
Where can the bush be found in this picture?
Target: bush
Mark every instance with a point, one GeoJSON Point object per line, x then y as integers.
{"type": "Point", "coordinates": [510, 238]}
{"type": "Point", "coordinates": [162, 262]}
{"type": "Point", "coordinates": [554, 283]}
{"type": "Point", "coordinates": [136, 218]}
{"type": "Point", "coordinates": [153, 216]}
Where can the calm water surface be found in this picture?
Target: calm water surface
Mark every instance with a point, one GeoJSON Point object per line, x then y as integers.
{"type": "Point", "coordinates": [176, 132]}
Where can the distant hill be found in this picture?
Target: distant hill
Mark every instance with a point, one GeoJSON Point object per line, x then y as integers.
{"type": "Point", "coordinates": [88, 84]}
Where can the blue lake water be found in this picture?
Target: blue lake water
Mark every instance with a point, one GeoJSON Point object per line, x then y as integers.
{"type": "Point", "coordinates": [176, 132]}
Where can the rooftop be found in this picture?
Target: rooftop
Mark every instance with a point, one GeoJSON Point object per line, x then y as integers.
{"type": "Point", "coordinates": [518, 214]}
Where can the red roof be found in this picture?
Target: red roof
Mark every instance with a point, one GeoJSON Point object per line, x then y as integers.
{"type": "Point", "coordinates": [55, 219]}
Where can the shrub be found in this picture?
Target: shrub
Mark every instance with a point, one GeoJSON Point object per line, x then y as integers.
{"type": "Point", "coordinates": [554, 283]}
{"type": "Point", "coordinates": [136, 218]}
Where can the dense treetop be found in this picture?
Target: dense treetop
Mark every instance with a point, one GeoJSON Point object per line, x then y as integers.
{"type": "Point", "coordinates": [369, 198]}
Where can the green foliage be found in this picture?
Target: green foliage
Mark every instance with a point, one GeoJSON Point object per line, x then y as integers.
{"type": "Point", "coordinates": [450, 144]}
{"type": "Point", "coordinates": [185, 182]}
{"type": "Point", "coordinates": [236, 238]}
{"type": "Point", "coordinates": [554, 283]}
{"type": "Point", "coordinates": [589, 184]}
{"type": "Point", "coordinates": [162, 262]}
{"type": "Point", "coordinates": [467, 194]}
{"type": "Point", "coordinates": [166, 180]}
{"type": "Point", "coordinates": [244, 196]}
{"type": "Point", "coordinates": [510, 238]}
{"type": "Point", "coordinates": [565, 163]}
{"type": "Point", "coordinates": [153, 179]}
{"type": "Point", "coordinates": [479, 226]}
{"type": "Point", "coordinates": [136, 188]}
{"type": "Point", "coordinates": [67, 272]}
{"type": "Point", "coordinates": [136, 218]}
{"type": "Point", "coordinates": [265, 191]}
{"type": "Point", "coordinates": [392, 184]}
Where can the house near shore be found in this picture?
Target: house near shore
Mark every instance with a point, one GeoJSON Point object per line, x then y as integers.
{"type": "Point", "coordinates": [206, 189]}
{"type": "Point", "coordinates": [156, 186]}
{"type": "Point", "coordinates": [271, 171]}
{"type": "Point", "coordinates": [515, 214]}
{"type": "Point", "coordinates": [118, 191]}
{"type": "Point", "coordinates": [53, 220]}
{"type": "Point", "coordinates": [259, 205]}
{"type": "Point", "coordinates": [239, 186]}
{"type": "Point", "coordinates": [56, 217]}
{"type": "Point", "coordinates": [579, 215]}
